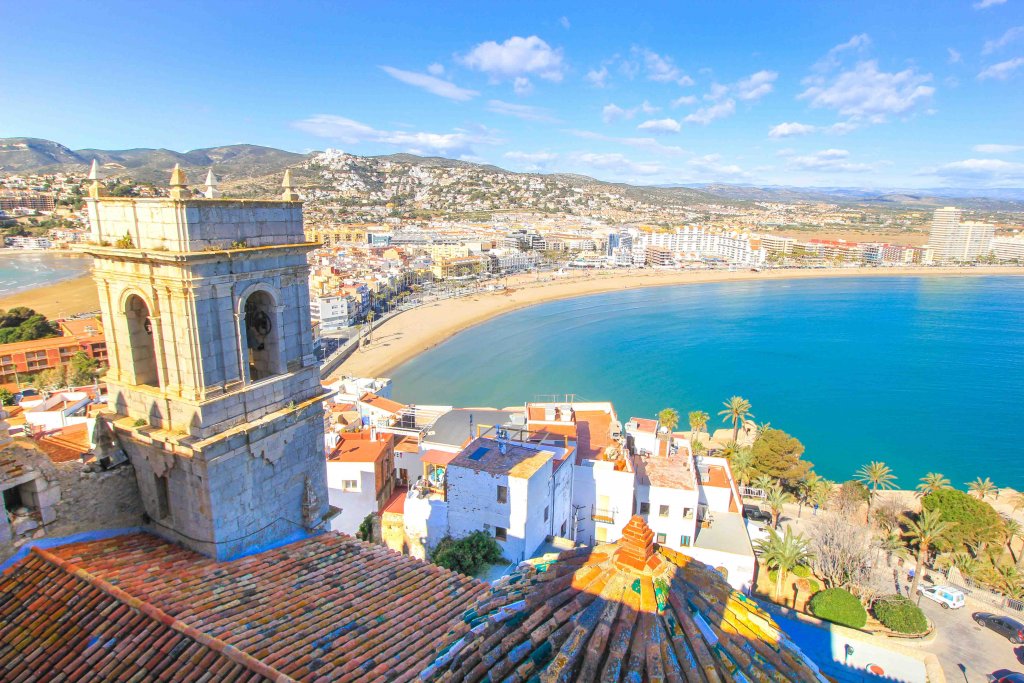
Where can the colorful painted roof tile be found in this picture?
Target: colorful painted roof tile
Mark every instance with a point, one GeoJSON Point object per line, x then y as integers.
{"type": "Point", "coordinates": [623, 611]}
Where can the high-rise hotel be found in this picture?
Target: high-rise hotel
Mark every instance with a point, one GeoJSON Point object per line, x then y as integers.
{"type": "Point", "coordinates": [954, 240]}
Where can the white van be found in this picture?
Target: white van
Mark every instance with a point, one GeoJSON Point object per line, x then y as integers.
{"type": "Point", "coordinates": [947, 596]}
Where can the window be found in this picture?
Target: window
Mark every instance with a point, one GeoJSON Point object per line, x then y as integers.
{"type": "Point", "coordinates": [261, 336]}
{"type": "Point", "coordinates": [403, 474]}
{"type": "Point", "coordinates": [140, 342]}
{"type": "Point", "coordinates": [645, 508]}
{"type": "Point", "coordinates": [687, 513]}
{"type": "Point", "coordinates": [545, 513]}
{"type": "Point", "coordinates": [502, 494]}
{"type": "Point", "coordinates": [663, 510]}
{"type": "Point", "coordinates": [602, 534]}
{"type": "Point", "coordinates": [163, 499]}
{"type": "Point", "coordinates": [349, 485]}
{"type": "Point", "coordinates": [563, 530]}
{"type": "Point", "coordinates": [500, 533]}
{"type": "Point", "coordinates": [661, 539]}
{"type": "Point", "coordinates": [684, 541]}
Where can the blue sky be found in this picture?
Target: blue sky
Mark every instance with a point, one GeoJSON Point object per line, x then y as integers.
{"type": "Point", "coordinates": [894, 94]}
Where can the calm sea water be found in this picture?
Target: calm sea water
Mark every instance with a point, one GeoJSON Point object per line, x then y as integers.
{"type": "Point", "coordinates": [924, 373]}
{"type": "Point", "coordinates": [26, 270]}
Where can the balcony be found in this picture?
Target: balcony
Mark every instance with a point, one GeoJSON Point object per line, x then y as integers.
{"type": "Point", "coordinates": [600, 515]}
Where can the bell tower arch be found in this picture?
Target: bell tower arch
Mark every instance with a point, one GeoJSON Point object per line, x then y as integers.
{"type": "Point", "coordinates": [214, 389]}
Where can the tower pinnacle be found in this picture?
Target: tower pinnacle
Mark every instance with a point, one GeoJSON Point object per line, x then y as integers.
{"type": "Point", "coordinates": [211, 186]}
{"type": "Point", "coordinates": [179, 184]}
{"type": "Point", "coordinates": [95, 187]}
{"type": "Point", "coordinates": [289, 195]}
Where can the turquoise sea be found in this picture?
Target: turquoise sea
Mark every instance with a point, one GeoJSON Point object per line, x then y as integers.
{"type": "Point", "coordinates": [924, 373]}
{"type": "Point", "coordinates": [21, 270]}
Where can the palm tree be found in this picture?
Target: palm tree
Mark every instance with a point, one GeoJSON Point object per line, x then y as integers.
{"type": "Point", "coordinates": [803, 490]}
{"type": "Point", "coordinates": [698, 421]}
{"type": "Point", "coordinates": [668, 417]}
{"type": "Point", "coordinates": [1017, 501]}
{"type": "Point", "coordinates": [743, 466]}
{"type": "Point", "coordinates": [875, 475]}
{"type": "Point", "coordinates": [924, 532]}
{"type": "Point", "coordinates": [784, 553]}
{"type": "Point", "coordinates": [821, 492]}
{"type": "Point", "coordinates": [983, 488]}
{"type": "Point", "coordinates": [737, 409]}
{"type": "Point", "coordinates": [1010, 581]}
{"type": "Point", "coordinates": [763, 482]}
{"type": "Point", "coordinates": [776, 498]}
{"type": "Point", "coordinates": [1013, 530]}
{"type": "Point", "coordinates": [930, 483]}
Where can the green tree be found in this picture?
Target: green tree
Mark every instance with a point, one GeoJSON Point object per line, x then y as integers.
{"type": "Point", "coordinates": [931, 482]}
{"type": "Point", "coordinates": [777, 455]}
{"type": "Point", "coordinates": [776, 498]}
{"type": "Point", "coordinates": [6, 397]}
{"type": "Point", "coordinates": [1017, 501]}
{"type": "Point", "coordinates": [736, 409]}
{"type": "Point", "coordinates": [668, 417]}
{"type": "Point", "coordinates": [365, 530]}
{"type": "Point", "coordinates": [83, 368]}
{"type": "Point", "coordinates": [467, 555]}
{"type": "Point", "coordinates": [983, 488]}
{"type": "Point", "coordinates": [783, 553]}
{"type": "Point", "coordinates": [743, 466]}
{"type": "Point", "coordinates": [764, 482]}
{"type": "Point", "coordinates": [35, 326]}
{"type": "Point", "coordinates": [1013, 530]}
{"type": "Point", "coordinates": [924, 531]}
{"type": "Point", "coordinates": [804, 487]}
{"type": "Point", "coordinates": [698, 422]}
{"type": "Point", "coordinates": [976, 522]}
{"type": "Point", "coordinates": [875, 475]}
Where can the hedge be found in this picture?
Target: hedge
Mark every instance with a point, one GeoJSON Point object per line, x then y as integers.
{"type": "Point", "coordinates": [839, 606]}
{"type": "Point", "coordinates": [898, 613]}
{"type": "Point", "coordinates": [467, 555]}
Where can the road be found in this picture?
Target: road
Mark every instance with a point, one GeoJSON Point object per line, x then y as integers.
{"type": "Point", "coordinates": [959, 641]}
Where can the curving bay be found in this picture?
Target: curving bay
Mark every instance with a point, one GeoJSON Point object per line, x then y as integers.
{"type": "Point", "coordinates": [925, 373]}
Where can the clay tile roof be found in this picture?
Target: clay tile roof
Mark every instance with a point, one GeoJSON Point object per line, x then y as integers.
{"type": "Point", "coordinates": [324, 608]}
{"type": "Point", "coordinates": [381, 403]}
{"type": "Point", "coordinates": [625, 611]}
{"type": "Point", "coordinates": [66, 444]}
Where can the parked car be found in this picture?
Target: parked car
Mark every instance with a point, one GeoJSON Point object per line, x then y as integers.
{"type": "Point", "coordinates": [947, 596]}
{"type": "Point", "coordinates": [756, 513]}
{"type": "Point", "coordinates": [1006, 678]}
{"type": "Point", "coordinates": [1010, 629]}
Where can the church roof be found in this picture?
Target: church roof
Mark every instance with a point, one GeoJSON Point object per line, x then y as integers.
{"type": "Point", "coordinates": [324, 608]}
{"type": "Point", "coordinates": [622, 611]}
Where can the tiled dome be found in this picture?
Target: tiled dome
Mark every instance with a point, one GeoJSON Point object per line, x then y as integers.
{"type": "Point", "coordinates": [621, 611]}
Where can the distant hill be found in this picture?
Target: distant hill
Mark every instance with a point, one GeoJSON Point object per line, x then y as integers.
{"type": "Point", "coordinates": [991, 199]}
{"type": "Point", "coordinates": [231, 162]}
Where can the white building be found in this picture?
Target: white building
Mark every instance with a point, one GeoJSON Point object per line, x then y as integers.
{"type": "Point", "coordinates": [334, 313]}
{"type": "Point", "coordinates": [1009, 248]}
{"type": "Point", "coordinates": [954, 240]}
{"type": "Point", "coordinates": [360, 477]}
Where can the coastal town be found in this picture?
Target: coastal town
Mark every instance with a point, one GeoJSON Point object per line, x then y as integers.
{"type": "Point", "coordinates": [152, 437]}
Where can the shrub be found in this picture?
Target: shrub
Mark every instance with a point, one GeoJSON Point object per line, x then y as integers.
{"type": "Point", "coordinates": [839, 606]}
{"type": "Point", "coordinates": [365, 531]}
{"type": "Point", "coordinates": [898, 613]}
{"type": "Point", "coordinates": [802, 571]}
{"type": "Point", "coordinates": [971, 521]}
{"type": "Point", "coordinates": [467, 555]}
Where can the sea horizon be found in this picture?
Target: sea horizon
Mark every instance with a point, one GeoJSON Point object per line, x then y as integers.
{"type": "Point", "coordinates": [941, 346]}
{"type": "Point", "coordinates": [23, 270]}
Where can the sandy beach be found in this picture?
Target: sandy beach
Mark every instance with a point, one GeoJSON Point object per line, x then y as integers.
{"type": "Point", "coordinates": [415, 331]}
{"type": "Point", "coordinates": [61, 299]}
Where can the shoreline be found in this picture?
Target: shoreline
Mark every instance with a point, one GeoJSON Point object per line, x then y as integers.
{"type": "Point", "coordinates": [412, 332]}
{"type": "Point", "coordinates": [63, 298]}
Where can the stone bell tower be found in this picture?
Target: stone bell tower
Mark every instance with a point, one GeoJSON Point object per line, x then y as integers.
{"type": "Point", "coordinates": [215, 391]}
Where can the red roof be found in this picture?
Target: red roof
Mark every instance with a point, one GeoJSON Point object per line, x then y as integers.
{"type": "Point", "coordinates": [436, 457]}
{"type": "Point", "coordinates": [325, 608]}
{"type": "Point", "coordinates": [66, 444]}
{"type": "Point", "coordinates": [381, 403]}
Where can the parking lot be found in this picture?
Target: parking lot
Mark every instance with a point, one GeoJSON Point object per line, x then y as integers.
{"type": "Point", "coordinates": [961, 642]}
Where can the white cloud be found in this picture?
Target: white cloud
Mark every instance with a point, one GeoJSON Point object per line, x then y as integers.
{"type": "Point", "coordinates": [706, 115]}
{"type": "Point", "coordinates": [456, 144]}
{"type": "Point", "coordinates": [517, 56]}
{"type": "Point", "coordinates": [684, 101]}
{"type": "Point", "coordinates": [831, 58]}
{"type": "Point", "coordinates": [661, 68]}
{"type": "Point", "coordinates": [1002, 70]}
{"type": "Point", "coordinates": [786, 130]}
{"type": "Point", "coordinates": [613, 112]}
{"type": "Point", "coordinates": [615, 162]}
{"type": "Point", "coordinates": [649, 144]}
{"type": "Point", "coordinates": [954, 56]}
{"type": "Point", "coordinates": [648, 108]}
{"type": "Point", "coordinates": [989, 170]}
{"type": "Point", "coordinates": [597, 77]}
{"type": "Point", "coordinates": [711, 164]}
{"type": "Point", "coordinates": [756, 85]}
{"type": "Point", "coordinates": [520, 111]}
{"type": "Point", "coordinates": [864, 92]}
{"type": "Point", "coordinates": [436, 69]}
{"type": "Point", "coordinates": [532, 161]}
{"type": "Point", "coordinates": [660, 126]}
{"type": "Point", "coordinates": [843, 127]}
{"type": "Point", "coordinates": [431, 84]}
{"type": "Point", "coordinates": [832, 160]}
{"type": "Point", "coordinates": [998, 149]}
{"type": "Point", "coordinates": [522, 86]}
{"type": "Point", "coordinates": [1003, 40]}
{"type": "Point", "coordinates": [984, 4]}
{"type": "Point", "coordinates": [716, 92]}
{"type": "Point", "coordinates": [564, 21]}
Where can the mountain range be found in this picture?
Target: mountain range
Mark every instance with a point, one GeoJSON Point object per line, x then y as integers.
{"type": "Point", "coordinates": [251, 167]}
